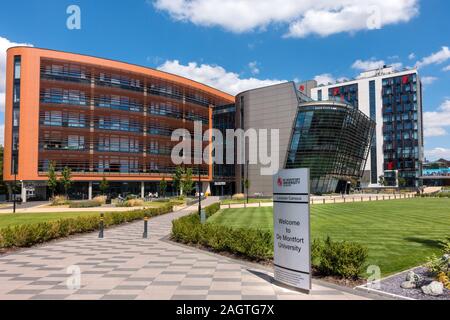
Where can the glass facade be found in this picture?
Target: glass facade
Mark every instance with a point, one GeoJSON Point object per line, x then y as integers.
{"type": "Point", "coordinates": [224, 118]}
{"type": "Point", "coordinates": [373, 146]}
{"type": "Point", "coordinates": [347, 94]}
{"type": "Point", "coordinates": [401, 130]}
{"type": "Point", "coordinates": [332, 139]}
{"type": "Point", "coordinates": [16, 115]}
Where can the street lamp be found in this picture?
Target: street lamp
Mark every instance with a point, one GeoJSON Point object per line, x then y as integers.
{"type": "Point", "coordinates": [199, 192]}
{"type": "Point", "coordinates": [247, 182]}
{"type": "Point", "coordinates": [14, 158]}
{"type": "Point", "coordinates": [15, 186]}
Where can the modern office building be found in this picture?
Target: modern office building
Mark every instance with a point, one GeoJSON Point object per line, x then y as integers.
{"type": "Point", "coordinates": [101, 118]}
{"type": "Point", "coordinates": [224, 174]}
{"type": "Point", "coordinates": [331, 138]}
{"type": "Point", "coordinates": [436, 173]}
{"type": "Point", "coordinates": [393, 99]}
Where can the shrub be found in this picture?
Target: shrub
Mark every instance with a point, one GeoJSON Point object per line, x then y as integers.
{"type": "Point", "coordinates": [31, 234]}
{"type": "Point", "coordinates": [440, 266]}
{"type": "Point", "coordinates": [238, 196]}
{"type": "Point", "coordinates": [178, 201]}
{"type": "Point", "coordinates": [436, 195]}
{"type": "Point", "coordinates": [340, 258]}
{"type": "Point", "coordinates": [255, 244]}
{"type": "Point", "coordinates": [100, 199]}
{"type": "Point", "coordinates": [85, 204]}
{"type": "Point", "coordinates": [131, 203]}
{"type": "Point", "coordinates": [60, 201]}
{"type": "Point", "coordinates": [212, 209]}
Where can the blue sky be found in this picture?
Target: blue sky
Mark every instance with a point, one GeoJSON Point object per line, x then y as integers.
{"type": "Point", "coordinates": [254, 42]}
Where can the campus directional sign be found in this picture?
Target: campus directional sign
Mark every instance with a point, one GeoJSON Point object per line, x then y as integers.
{"type": "Point", "coordinates": [292, 250]}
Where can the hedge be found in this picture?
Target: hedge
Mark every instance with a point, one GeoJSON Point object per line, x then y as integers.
{"type": "Point", "coordinates": [30, 234]}
{"type": "Point", "coordinates": [85, 204]}
{"type": "Point", "coordinates": [334, 258]}
{"type": "Point", "coordinates": [339, 258]}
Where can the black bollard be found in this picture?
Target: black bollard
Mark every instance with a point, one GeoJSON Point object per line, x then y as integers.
{"type": "Point", "coordinates": [102, 226]}
{"type": "Point", "coordinates": [145, 235]}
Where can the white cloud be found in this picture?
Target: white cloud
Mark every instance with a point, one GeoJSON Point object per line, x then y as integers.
{"type": "Point", "coordinates": [5, 44]}
{"type": "Point", "coordinates": [412, 56]}
{"type": "Point", "coordinates": [365, 65]}
{"type": "Point", "coordinates": [2, 134]}
{"type": "Point", "coordinates": [216, 76]}
{"type": "Point", "coordinates": [437, 153]}
{"type": "Point", "coordinates": [254, 67]}
{"type": "Point", "coordinates": [428, 80]}
{"type": "Point", "coordinates": [436, 58]}
{"type": "Point", "coordinates": [397, 65]}
{"type": "Point", "coordinates": [306, 17]}
{"type": "Point", "coordinates": [324, 79]}
{"type": "Point", "coordinates": [447, 68]}
{"type": "Point", "coordinates": [436, 122]}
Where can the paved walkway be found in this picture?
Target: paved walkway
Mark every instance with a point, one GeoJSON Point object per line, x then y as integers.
{"type": "Point", "coordinates": [125, 266]}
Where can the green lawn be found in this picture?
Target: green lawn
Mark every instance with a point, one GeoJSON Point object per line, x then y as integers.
{"type": "Point", "coordinates": [30, 218]}
{"type": "Point", "coordinates": [230, 201]}
{"type": "Point", "coordinates": [400, 234]}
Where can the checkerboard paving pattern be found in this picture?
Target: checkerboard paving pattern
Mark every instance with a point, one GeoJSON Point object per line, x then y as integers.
{"type": "Point", "coordinates": [123, 265]}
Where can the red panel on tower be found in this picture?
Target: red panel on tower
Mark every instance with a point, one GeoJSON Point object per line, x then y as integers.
{"type": "Point", "coordinates": [405, 79]}
{"type": "Point", "coordinates": [391, 165]}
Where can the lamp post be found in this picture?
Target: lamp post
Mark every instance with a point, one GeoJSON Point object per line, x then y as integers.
{"type": "Point", "coordinates": [14, 189]}
{"type": "Point", "coordinates": [247, 182]}
{"type": "Point", "coordinates": [199, 191]}
{"type": "Point", "coordinates": [15, 184]}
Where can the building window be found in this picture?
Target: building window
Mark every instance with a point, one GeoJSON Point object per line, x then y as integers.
{"type": "Point", "coordinates": [16, 117]}
{"type": "Point", "coordinates": [17, 67]}
{"type": "Point", "coordinates": [319, 95]}
{"type": "Point", "coordinates": [373, 148]}
{"type": "Point", "coordinates": [16, 114]}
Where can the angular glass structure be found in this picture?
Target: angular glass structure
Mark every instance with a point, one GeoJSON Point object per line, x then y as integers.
{"type": "Point", "coordinates": [333, 140]}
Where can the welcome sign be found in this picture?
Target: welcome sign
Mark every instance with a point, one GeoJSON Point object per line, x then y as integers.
{"type": "Point", "coordinates": [292, 251]}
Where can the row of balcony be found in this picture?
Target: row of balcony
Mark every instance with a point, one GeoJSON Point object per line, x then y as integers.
{"type": "Point", "coordinates": [115, 169]}
{"type": "Point", "coordinates": [132, 107]}
{"type": "Point", "coordinates": [125, 84]}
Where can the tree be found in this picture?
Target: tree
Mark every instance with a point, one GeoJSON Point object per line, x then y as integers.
{"type": "Point", "coordinates": [401, 182]}
{"type": "Point", "coordinates": [104, 186]}
{"type": "Point", "coordinates": [247, 186]}
{"type": "Point", "coordinates": [66, 179]}
{"type": "Point", "coordinates": [188, 183]}
{"type": "Point", "coordinates": [178, 179]}
{"type": "Point", "coordinates": [3, 188]}
{"type": "Point", "coordinates": [163, 187]}
{"type": "Point", "coordinates": [52, 182]}
{"type": "Point", "coordinates": [354, 183]}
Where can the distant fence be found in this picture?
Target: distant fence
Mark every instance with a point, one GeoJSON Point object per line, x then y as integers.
{"type": "Point", "coordinates": [330, 200]}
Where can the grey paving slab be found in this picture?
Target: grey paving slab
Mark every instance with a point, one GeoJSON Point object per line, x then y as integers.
{"type": "Point", "coordinates": [124, 266]}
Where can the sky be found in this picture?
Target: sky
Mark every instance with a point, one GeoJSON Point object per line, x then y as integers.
{"type": "Point", "coordinates": [235, 45]}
